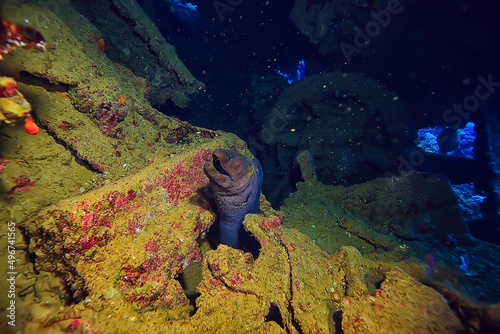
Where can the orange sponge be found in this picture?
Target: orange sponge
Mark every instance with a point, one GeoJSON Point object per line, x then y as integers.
{"type": "Point", "coordinates": [101, 44]}
{"type": "Point", "coordinates": [31, 126]}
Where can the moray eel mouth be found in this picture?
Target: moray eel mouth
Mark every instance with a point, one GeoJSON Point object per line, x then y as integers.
{"type": "Point", "coordinates": [229, 169]}
{"type": "Point", "coordinates": [218, 166]}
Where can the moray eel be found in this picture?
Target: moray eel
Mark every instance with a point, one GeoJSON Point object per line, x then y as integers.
{"type": "Point", "coordinates": [235, 182]}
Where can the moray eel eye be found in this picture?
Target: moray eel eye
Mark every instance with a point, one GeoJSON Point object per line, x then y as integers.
{"type": "Point", "coordinates": [218, 166]}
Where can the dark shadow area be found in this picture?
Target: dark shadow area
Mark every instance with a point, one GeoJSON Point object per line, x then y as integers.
{"type": "Point", "coordinates": [251, 245]}
{"type": "Point", "coordinates": [29, 79]}
{"type": "Point", "coordinates": [221, 51]}
{"type": "Point", "coordinates": [274, 314]}
{"type": "Point", "coordinates": [248, 242]}
{"type": "Point", "coordinates": [32, 255]}
{"type": "Point", "coordinates": [337, 319]}
{"type": "Point", "coordinates": [484, 230]}
{"type": "Point", "coordinates": [71, 296]}
{"type": "Point", "coordinates": [192, 276]}
{"type": "Point", "coordinates": [376, 277]}
{"type": "Point", "coordinates": [170, 109]}
{"type": "Point", "coordinates": [185, 284]}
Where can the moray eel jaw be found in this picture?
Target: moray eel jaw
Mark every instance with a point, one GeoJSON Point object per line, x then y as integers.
{"type": "Point", "coordinates": [235, 182]}
{"type": "Point", "coordinates": [229, 170]}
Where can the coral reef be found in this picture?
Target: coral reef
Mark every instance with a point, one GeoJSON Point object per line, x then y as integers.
{"type": "Point", "coordinates": [395, 303]}
{"type": "Point", "coordinates": [414, 216]}
{"type": "Point", "coordinates": [119, 250]}
{"type": "Point", "coordinates": [106, 213]}
{"type": "Point", "coordinates": [130, 239]}
{"type": "Point", "coordinates": [74, 84]}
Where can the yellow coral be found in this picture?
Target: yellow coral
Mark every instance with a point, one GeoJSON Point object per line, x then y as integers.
{"type": "Point", "coordinates": [13, 108]}
{"type": "Point", "coordinates": [6, 82]}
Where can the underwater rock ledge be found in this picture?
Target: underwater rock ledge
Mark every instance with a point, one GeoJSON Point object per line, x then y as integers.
{"type": "Point", "coordinates": [113, 254]}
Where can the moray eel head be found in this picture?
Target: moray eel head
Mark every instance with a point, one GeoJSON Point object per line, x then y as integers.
{"type": "Point", "coordinates": [229, 169]}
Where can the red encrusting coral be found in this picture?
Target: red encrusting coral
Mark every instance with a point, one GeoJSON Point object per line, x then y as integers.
{"type": "Point", "coordinates": [161, 262]}
{"type": "Point", "coordinates": [270, 224]}
{"type": "Point", "coordinates": [23, 184]}
{"type": "Point", "coordinates": [3, 163]}
{"type": "Point", "coordinates": [96, 220]}
{"type": "Point", "coordinates": [181, 133]}
{"type": "Point", "coordinates": [183, 180]}
{"type": "Point", "coordinates": [132, 226]}
{"type": "Point", "coordinates": [73, 326]}
{"type": "Point", "coordinates": [66, 126]}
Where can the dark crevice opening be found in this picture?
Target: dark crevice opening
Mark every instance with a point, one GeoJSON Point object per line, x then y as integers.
{"type": "Point", "coordinates": [169, 108]}
{"type": "Point", "coordinates": [32, 80]}
{"type": "Point", "coordinates": [290, 307]}
{"type": "Point", "coordinates": [248, 242]}
{"type": "Point", "coordinates": [274, 314]}
{"type": "Point", "coordinates": [32, 255]}
{"type": "Point", "coordinates": [75, 296]}
{"type": "Point", "coordinates": [191, 276]}
{"type": "Point", "coordinates": [185, 284]}
{"type": "Point", "coordinates": [251, 245]}
{"type": "Point", "coordinates": [378, 284]}
{"type": "Point", "coordinates": [337, 320]}
{"type": "Point", "coordinates": [376, 278]}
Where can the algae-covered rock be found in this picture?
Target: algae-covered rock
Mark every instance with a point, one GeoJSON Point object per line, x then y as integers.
{"type": "Point", "coordinates": [117, 251]}
{"type": "Point", "coordinates": [96, 107]}
{"type": "Point", "coordinates": [401, 305]}
{"type": "Point", "coordinates": [376, 215]}
{"type": "Point", "coordinates": [128, 240]}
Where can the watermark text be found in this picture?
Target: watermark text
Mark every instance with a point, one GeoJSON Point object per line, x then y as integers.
{"type": "Point", "coordinates": [11, 274]}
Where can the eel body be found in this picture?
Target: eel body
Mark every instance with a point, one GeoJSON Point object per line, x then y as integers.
{"type": "Point", "coordinates": [235, 182]}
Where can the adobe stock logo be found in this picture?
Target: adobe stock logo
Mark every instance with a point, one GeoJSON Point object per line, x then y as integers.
{"type": "Point", "coordinates": [454, 118]}
{"type": "Point", "coordinates": [277, 123]}
{"type": "Point", "coordinates": [222, 7]}
{"type": "Point", "coordinates": [373, 28]}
